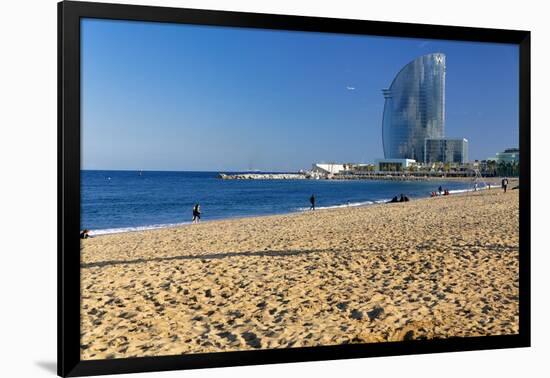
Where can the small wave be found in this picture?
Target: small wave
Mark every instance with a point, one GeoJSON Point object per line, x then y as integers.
{"type": "Point", "coordinates": [350, 204]}
{"type": "Point", "coordinates": [457, 191]}
{"type": "Point", "coordinates": [108, 231]}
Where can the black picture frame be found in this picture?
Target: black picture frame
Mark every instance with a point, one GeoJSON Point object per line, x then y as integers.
{"type": "Point", "coordinates": [69, 15]}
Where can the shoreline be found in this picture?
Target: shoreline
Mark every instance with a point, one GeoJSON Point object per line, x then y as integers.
{"type": "Point", "coordinates": [152, 227]}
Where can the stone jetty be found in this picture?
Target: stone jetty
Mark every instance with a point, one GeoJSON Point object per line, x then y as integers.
{"type": "Point", "coordinates": [263, 176]}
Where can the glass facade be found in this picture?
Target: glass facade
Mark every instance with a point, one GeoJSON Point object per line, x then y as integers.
{"type": "Point", "coordinates": [446, 150]}
{"type": "Point", "coordinates": [510, 155]}
{"type": "Point", "coordinates": [414, 108]}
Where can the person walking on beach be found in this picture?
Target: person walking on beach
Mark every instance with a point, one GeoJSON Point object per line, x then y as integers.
{"type": "Point", "coordinates": [312, 201]}
{"type": "Point", "coordinates": [440, 189]}
{"type": "Point", "coordinates": [196, 213]}
{"type": "Point", "coordinates": [504, 184]}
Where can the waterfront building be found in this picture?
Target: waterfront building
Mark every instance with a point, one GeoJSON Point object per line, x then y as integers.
{"type": "Point", "coordinates": [446, 150]}
{"type": "Point", "coordinates": [509, 155]}
{"type": "Point", "coordinates": [393, 165]}
{"type": "Point", "coordinates": [327, 168]}
{"type": "Point", "coordinates": [362, 168]}
{"type": "Point", "coordinates": [414, 108]}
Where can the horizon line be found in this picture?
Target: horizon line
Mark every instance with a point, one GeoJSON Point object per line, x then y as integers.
{"type": "Point", "coordinates": [189, 170]}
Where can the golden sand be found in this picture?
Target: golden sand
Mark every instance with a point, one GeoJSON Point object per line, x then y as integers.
{"type": "Point", "coordinates": [432, 268]}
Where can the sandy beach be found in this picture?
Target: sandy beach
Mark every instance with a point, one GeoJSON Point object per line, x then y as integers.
{"type": "Point", "coordinates": [431, 268]}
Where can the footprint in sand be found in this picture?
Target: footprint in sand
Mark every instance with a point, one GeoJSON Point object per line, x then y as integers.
{"type": "Point", "coordinates": [251, 340]}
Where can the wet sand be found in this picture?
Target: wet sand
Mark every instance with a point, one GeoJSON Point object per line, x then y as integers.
{"type": "Point", "coordinates": [431, 268]}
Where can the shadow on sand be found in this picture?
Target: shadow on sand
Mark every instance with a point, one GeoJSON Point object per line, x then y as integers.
{"type": "Point", "coordinates": [211, 256]}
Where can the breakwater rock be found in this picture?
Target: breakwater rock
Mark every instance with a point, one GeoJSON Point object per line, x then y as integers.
{"type": "Point", "coordinates": [262, 176]}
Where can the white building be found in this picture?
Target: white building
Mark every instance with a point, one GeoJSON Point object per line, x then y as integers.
{"type": "Point", "coordinates": [327, 168]}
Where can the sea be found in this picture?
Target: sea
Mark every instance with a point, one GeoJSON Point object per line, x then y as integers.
{"type": "Point", "coordinates": [122, 201]}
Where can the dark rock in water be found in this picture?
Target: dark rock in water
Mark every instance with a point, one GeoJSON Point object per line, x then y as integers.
{"type": "Point", "coordinates": [342, 306]}
{"type": "Point", "coordinates": [375, 312]}
{"type": "Point", "coordinates": [356, 314]}
{"type": "Point", "coordinates": [252, 340]}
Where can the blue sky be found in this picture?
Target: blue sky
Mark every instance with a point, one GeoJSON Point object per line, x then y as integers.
{"type": "Point", "coordinates": [182, 97]}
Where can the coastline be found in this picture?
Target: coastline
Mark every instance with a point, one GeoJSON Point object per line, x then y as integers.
{"type": "Point", "coordinates": [141, 228]}
{"type": "Point", "coordinates": [431, 268]}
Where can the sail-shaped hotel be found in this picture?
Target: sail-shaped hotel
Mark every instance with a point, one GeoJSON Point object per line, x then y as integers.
{"type": "Point", "coordinates": [414, 108]}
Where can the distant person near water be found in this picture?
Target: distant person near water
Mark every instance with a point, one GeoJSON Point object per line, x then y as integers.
{"type": "Point", "coordinates": [196, 213]}
{"type": "Point", "coordinates": [504, 184]}
{"type": "Point", "coordinates": [84, 234]}
{"type": "Point", "coordinates": [440, 189]}
{"type": "Point", "coordinates": [312, 201]}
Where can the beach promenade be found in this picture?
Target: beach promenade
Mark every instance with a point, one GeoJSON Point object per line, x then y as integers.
{"type": "Point", "coordinates": [430, 268]}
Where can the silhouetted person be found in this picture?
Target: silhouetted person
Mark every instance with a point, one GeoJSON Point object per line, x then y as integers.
{"type": "Point", "coordinates": [504, 184]}
{"type": "Point", "coordinates": [439, 190]}
{"type": "Point", "coordinates": [394, 199]}
{"type": "Point", "coordinates": [312, 201]}
{"type": "Point", "coordinates": [84, 234]}
{"type": "Point", "coordinates": [196, 213]}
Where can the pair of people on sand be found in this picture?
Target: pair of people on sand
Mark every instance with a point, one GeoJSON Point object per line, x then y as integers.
{"type": "Point", "coordinates": [401, 198]}
{"type": "Point", "coordinates": [440, 191]}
